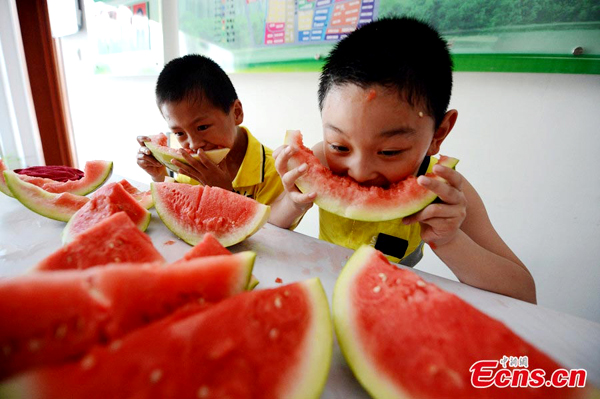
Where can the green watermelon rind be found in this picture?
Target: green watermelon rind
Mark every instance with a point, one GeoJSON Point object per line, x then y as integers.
{"type": "Point", "coordinates": [319, 346]}
{"type": "Point", "coordinates": [3, 187]}
{"type": "Point", "coordinates": [387, 210]}
{"type": "Point", "coordinates": [38, 199]}
{"type": "Point", "coordinates": [365, 372]}
{"type": "Point", "coordinates": [236, 236]}
{"type": "Point", "coordinates": [165, 157]}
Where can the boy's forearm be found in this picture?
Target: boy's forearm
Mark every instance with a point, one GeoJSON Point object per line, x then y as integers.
{"type": "Point", "coordinates": [478, 267]}
{"type": "Point", "coordinates": [284, 213]}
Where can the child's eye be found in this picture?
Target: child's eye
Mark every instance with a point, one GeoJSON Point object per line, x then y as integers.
{"type": "Point", "coordinates": [202, 127]}
{"type": "Point", "coordinates": [178, 134]}
{"type": "Point", "coordinates": [390, 153]}
{"type": "Point", "coordinates": [338, 148]}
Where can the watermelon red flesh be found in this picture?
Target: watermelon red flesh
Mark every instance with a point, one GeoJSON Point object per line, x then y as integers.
{"type": "Point", "coordinates": [58, 316]}
{"type": "Point", "coordinates": [191, 211]}
{"type": "Point", "coordinates": [210, 246]}
{"type": "Point", "coordinates": [107, 201]}
{"type": "Point", "coordinates": [143, 197]}
{"type": "Point", "coordinates": [343, 196]}
{"type": "Point", "coordinates": [54, 206]}
{"type": "Point", "coordinates": [404, 337]}
{"type": "Point", "coordinates": [95, 174]}
{"type": "Point", "coordinates": [268, 344]}
{"type": "Point", "coordinates": [113, 240]}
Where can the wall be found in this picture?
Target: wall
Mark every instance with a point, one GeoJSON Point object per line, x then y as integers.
{"type": "Point", "coordinates": [526, 142]}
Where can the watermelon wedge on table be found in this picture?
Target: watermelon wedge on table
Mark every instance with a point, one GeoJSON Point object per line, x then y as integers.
{"type": "Point", "coordinates": [113, 240]}
{"type": "Point", "coordinates": [406, 338]}
{"type": "Point", "coordinates": [59, 207]}
{"type": "Point", "coordinates": [210, 246]}
{"type": "Point", "coordinates": [3, 187]}
{"type": "Point", "coordinates": [143, 197]}
{"type": "Point", "coordinates": [344, 196]}
{"type": "Point", "coordinates": [107, 201]}
{"type": "Point", "coordinates": [191, 211]}
{"type": "Point", "coordinates": [58, 316]}
{"type": "Point", "coordinates": [262, 344]}
{"type": "Point", "coordinates": [95, 174]}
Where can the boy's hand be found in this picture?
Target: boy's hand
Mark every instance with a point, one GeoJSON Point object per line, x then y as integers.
{"type": "Point", "coordinates": [441, 222]}
{"type": "Point", "coordinates": [204, 170]}
{"type": "Point", "coordinates": [146, 161]}
{"type": "Point", "coordinates": [300, 201]}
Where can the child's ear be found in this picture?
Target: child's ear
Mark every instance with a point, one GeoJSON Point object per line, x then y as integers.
{"type": "Point", "coordinates": [238, 112]}
{"type": "Point", "coordinates": [442, 131]}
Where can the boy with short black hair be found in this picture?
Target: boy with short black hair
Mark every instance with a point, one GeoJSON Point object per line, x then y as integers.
{"type": "Point", "coordinates": [383, 94]}
{"type": "Point", "coordinates": [199, 103]}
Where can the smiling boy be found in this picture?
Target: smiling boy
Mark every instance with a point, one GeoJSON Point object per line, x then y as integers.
{"type": "Point", "coordinates": [201, 107]}
{"type": "Point", "coordinates": [384, 93]}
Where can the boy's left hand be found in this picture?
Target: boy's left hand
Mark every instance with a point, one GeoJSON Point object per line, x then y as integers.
{"type": "Point", "coordinates": [440, 222]}
{"type": "Point", "coordinates": [204, 170]}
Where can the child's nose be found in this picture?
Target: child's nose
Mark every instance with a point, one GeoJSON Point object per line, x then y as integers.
{"type": "Point", "coordinates": [195, 142]}
{"type": "Point", "coordinates": [361, 169]}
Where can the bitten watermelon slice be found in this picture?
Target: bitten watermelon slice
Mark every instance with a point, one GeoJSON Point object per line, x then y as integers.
{"type": "Point", "coordinates": [406, 338]}
{"type": "Point", "coordinates": [261, 344]}
{"type": "Point", "coordinates": [54, 206]}
{"type": "Point", "coordinates": [191, 211]}
{"type": "Point", "coordinates": [164, 154]}
{"type": "Point", "coordinates": [113, 240]}
{"type": "Point", "coordinates": [107, 201]}
{"type": "Point", "coordinates": [343, 196]}
{"type": "Point", "coordinates": [210, 246]}
{"type": "Point", "coordinates": [58, 316]}
{"type": "Point", "coordinates": [95, 174]}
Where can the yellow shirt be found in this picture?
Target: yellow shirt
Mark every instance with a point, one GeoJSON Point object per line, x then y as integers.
{"type": "Point", "coordinates": [396, 240]}
{"type": "Point", "coordinates": [257, 177]}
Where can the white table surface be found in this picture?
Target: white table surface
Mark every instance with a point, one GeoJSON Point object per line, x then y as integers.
{"type": "Point", "coordinates": [26, 238]}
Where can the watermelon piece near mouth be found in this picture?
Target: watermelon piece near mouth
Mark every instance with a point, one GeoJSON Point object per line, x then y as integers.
{"type": "Point", "coordinates": [95, 174]}
{"type": "Point", "coordinates": [113, 240]}
{"type": "Point", "coordinates": [107, 201]}
{"type": "Point", "coordinates": [210, 246]}
{"type": "Point", "coordinates": [273, 343]}
{"type": "Point", "coordinates": [59, 207]}
{"type": "Point", "coordinates": [143, 197]}
{"type": "Point", "coordinates": [190, 211]}
{"type": "Point", "coordinates": [345, 197]}
{"type": "Point", "coordinates": [407, 338]}
{"type": "Point", "coordinates": [3, 187]}
{"type": "Point", "coordinates": [56, 317]}
{"type": "Point", "coordinates": [164, 154]}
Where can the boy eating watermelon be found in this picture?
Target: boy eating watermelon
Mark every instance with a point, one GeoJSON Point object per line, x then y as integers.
{"type": "Point", "coordinates": [384, 93]}
{"type": "Point", "coordinates": [199, 103]}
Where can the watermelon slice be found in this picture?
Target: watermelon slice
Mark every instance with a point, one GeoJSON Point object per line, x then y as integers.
{"type": "Point", "coordinates": [191, 211]}
{"type": "Point", "coordinates": [3, 187]}
{"type": "Point", "coordinates": [58, 316]}
{"type": "Point", "coordinates": [406, 338]}
{"type": "Point", "coordinates": [343, 196]}
{"type": "Point", "coordinates": [54, 172]}
{"type": "Point", "coordinates": [210, 246]}
{"type": "Point", "coordinates": [143, 197]}
{"type": "Point", "coordinates": [113, 240]}
{"type": "Point", "coordinates": [107, 201]}
{"type": "Point", "coordinates": [164, 154]}
{"type": "Point", "coordinates": [261, 344]}
{"type": "Point", "coordinates": [54, 206]}
{"type": "Point", "coordinates": [95, 174]}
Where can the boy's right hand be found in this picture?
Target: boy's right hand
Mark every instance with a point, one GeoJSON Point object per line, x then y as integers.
{"type": "Point", "coordinates": [146, 161]}
{"type": "Point", "coordinates": [302, 202]}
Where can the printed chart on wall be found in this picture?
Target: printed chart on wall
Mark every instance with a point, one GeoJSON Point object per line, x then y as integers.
{"type": "Point", "coordinates": [254, 32]}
